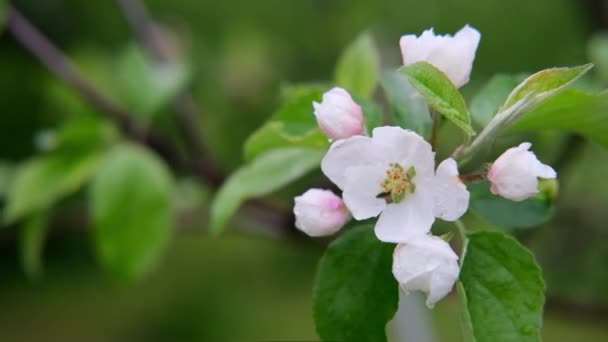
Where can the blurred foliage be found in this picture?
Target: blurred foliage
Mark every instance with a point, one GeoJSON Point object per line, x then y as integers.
{"type": "Point", "coordinates": [236, 56]}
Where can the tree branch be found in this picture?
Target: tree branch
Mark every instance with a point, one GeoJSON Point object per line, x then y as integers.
{"type": "Point", "coordinates": [187, 116]}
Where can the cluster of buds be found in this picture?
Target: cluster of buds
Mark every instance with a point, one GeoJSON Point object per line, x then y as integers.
{"type": "Point", "coordinates": [391, 174]}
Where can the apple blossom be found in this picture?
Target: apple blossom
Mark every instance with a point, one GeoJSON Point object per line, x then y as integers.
{"type": "Point", "coordinates": [319, 212]}
{"type": "Point", "coordinates": [514, 175]}
{"type": "Point", "coordinates": [426, 263]}
{"type": "Point", "coordinates": [452, 55]}
{"type": "Point", "coordinates": [338, 116]}
{"type": "Point", "coordinates": [392, 174]}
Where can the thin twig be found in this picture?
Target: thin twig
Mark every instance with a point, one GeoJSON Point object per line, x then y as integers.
{"type": "Point", "coordinates": [36, 43]}
{"type": "Point", "coordinates": [150, 36]}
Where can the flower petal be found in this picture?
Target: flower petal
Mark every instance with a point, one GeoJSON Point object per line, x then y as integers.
{"type": "Point", "coordinates": [404, 221]}
{"type": "Point", "coordinates": [347, 153]}
{"type": "Point", "coordinates": [407, 147]}
{"type": "Point", "coordinates": [450, 194]}
{"type": "Point", "coordinates": [361, 189]}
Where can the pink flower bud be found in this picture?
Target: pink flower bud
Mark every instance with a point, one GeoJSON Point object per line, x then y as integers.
{"type": "Point", "coordinates": [320, 212]}
{"type": "Point", "coordinates": [338, 115]}
{"type": "Point", "coordinates": [514, 175]}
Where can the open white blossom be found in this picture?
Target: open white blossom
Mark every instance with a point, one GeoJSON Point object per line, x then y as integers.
{"type": "Point", "coordinates": [338, 116]}
{"type": "Point", "coordinates": [514, 175]}
{"type": "Point", "coordinates": [320, 212]}
{"type": "Point", "coordinates": [426, 264]}
{"type": "Point", "coordinates": [452, 55]}
{"type": "Point", "coordinates": [393, 173]}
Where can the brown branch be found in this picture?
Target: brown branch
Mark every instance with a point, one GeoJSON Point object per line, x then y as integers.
{"type": "Point", "coordinates": [36, 43]}
{"type": "Point", "coordinates": [187, 116]}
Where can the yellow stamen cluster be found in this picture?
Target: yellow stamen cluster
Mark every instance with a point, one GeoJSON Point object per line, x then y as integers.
{"type": "Point", "coordinates": [398, 182]}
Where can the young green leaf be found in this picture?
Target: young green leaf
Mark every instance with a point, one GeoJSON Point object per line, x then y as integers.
{"type": "Point", "coordinates": [509, 214]}
{"type": "Point", "coordinates": [146, 86]}
{"type": "Point", "coordinates": [31, 243]}
{"type": "Point", "coordinates": [293, 125]}
{"type": "Point", "coordinates": [574, 111]}
{"type": "Point", "coordinates": [544, 84]}
{"type": "Point", "coordinates": [374, 116]}
{"type": "Point", "coordinates": [491, 96]}
{"type": "Point", "coordinates": [264, 175]}
{"type": "Point", "coordinates": [408, 107]}
{"type": "Point", "coordinates": [355, 293]}
{"type": "Point", "coordinates": [131, 208]}
{"type": "Point", "coordinates": [42, 181]}
{"type": "Point", "coordinates": [359, 67]}
{"type": "Point", "coordinates": [439, 93]}
{"type": "Point", "coordinates": [504, 289]}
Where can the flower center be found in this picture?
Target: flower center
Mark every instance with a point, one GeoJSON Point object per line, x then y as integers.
{"type": "Point", "coordinates": [398, 182]}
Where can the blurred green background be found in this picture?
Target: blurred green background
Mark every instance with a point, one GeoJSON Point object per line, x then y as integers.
{"type": "Point", "coordinates": [238, 53]}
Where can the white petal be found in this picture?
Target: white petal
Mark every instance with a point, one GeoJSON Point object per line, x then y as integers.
{"type": "Point", "coordinates": [351, 152]}
{"type": "Point", "coordinates": [455, 57]}
{"type": "Point", "coordinates": [404, 221]}
{"type": "Point", "coordinates": [428, 264]}
{"type": "Point", "coordinates": [406, 147]}
{"type": "Point", "coordinates": [450, 194]}
{"type": "Point", "coordinates": [362, 186]}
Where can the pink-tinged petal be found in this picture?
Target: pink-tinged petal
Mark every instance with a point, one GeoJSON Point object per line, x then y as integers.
{"type": "Point", "coordinates": [319, 212]}
{"type": "Point", "coordinates": [451, 196]}
{"type": "Point", "coordinates": [514, 175]}
{"type": "Point", "coordinates": [338, 116]}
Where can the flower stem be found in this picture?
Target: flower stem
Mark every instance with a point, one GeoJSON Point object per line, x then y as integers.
{"type": "Point", "coordinates": [473, 177]}
{"type": "Point", "coordinates": [462, 235]}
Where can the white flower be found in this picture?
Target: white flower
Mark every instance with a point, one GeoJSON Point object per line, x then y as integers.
{"type": "Point", "coordinates": [338, 116]}
{"type": "Point", "coordinates": [320, 212]}
{"type": "Point", "coordinates": [426, 264]}
{"type": "Point", "coordinates": [393, 173]}
{"type": "Point", "coordinates": [452, 55]}
{"type": "Point", "coordinates": [514, 175]}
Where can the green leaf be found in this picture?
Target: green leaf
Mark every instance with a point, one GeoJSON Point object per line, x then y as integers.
{"type": "Point", "coordinates": [267, 173]}
{"type": "Point", "coordinates": [574, 111]}
{"type": "Point", "coordinates": [374, 116]}
{"type": "Point", "coordinates": [273, 135]}
{"type": "Point", "coordinates": [509, 214]}
{"type": "Point", "coordinates": [355, 293]}
{"type": "Point", "coordinates": [7, 173]}
{"type": "Point", "coordinates": [504, 289]}
{"type": "Point", "coordinates": [293, 125]}
{"type": "Point", "coordinates": [32, 235]}
{"type": "Point", "coordinates": [440, 93]}
{"type": "Point", "coordinates": [42, 181]}
{"type": "Point", "coordinates": [409, 108]}
{"type": "Point", "coordinates": [359, 67]}
{"type": "Point", "coordinates": [544, 84]}
{"type": "Point", "coordinates": [491, 96]}
{"type": "Point", "coordinates": [146, 86]}
{"type": "Point", "coordinates": [130, 201]}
